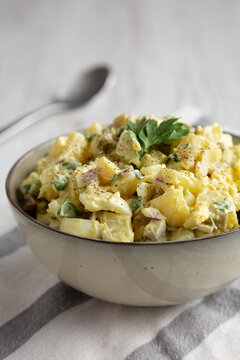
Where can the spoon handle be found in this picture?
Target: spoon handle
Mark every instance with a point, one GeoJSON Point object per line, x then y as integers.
{"type": "Point", "coordinates": [32, 117]}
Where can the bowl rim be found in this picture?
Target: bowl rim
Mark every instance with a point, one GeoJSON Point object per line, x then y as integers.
{"type": "Point", "coordinates": [38, 223]}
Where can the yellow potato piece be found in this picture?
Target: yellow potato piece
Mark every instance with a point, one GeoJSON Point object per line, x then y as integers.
{"type": "Point", "coordinates": [106, 170]}
{"type": "Point", "coordinates": [145, 190]}
{"type": "Point", "coordinates": [116, 227]}
{"type": "Point", "coordinates": [126, 184]}
{"type": "Point", "coordinates": [173, 205]}
{"type": "Point", "coordinates": [198, 216]}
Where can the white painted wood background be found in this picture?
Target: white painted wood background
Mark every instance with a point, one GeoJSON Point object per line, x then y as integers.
{"type": "Point", "coordinates": [165, 54]}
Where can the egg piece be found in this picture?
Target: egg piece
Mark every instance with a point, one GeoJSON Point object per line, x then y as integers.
{"type": "Point", "coordinates": [116, 227]}
{"type": "Point", "coordinates": [173, 205]}
{"type": "Point", "coordinates": [81, 227]}
{"type": "Point", "coordinates": [97, 199]}
{"type": "Point", "coordinates": [128, 147]}
{"type": "Point", "coordinates": [215, 134]}
{"type": "Point", "coordinates": [212, 132]}
{"type": "Point", "coordinates": [198, 216]}
{"type": "Point", "coordinates": [198, 154]}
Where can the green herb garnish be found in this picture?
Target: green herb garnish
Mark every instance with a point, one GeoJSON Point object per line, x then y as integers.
{"type": "Point", "coordinates": [60, 182]}
{"type": "Point", "coordinates": [224, 205]}
{"type": "Point", "coordinates": [213, 223]}
{"type": "Point", "coordinates": [186, 146]}
{"type": "Point", "coordinates": [71, 165]}
{"type": "Point", "coordinates": [174, 157]}
{"type": "Point", "coordinates": [149, 133]}
{"type": "Point", "coordinates": [138, 175]}
{"type": "Point", "coordinates": [115, 177]}
{"type": "Point", "coordinates": [90, 137]}
{"type": "Point", "coordinates": [136, 203]}
{"type": "Point", "coordinates": [68, 210]}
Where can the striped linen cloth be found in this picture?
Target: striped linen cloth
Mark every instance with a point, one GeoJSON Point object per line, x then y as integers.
{"type": "Point", "coordinates": [42, 318]}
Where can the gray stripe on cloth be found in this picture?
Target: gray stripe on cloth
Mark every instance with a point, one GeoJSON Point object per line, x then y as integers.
{"type": "Point", "coordinates": [52, 303]}
{"type": "Point", "coordinates": [10, 242]}
{"type": "Point", "coordinates": [190, 328]}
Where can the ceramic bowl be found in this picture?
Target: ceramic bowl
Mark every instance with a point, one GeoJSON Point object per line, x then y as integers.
{"type": "Point", "coordinates": [144, 274]}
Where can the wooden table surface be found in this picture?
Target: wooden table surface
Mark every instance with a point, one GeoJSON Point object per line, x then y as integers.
{"type": "Point", "coordinates": [165, 54]}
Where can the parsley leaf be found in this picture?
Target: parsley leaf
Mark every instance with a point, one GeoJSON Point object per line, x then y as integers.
{"type": "Point", "coordinates": [149, 133]}
{"type": "Point", "coordinates": [60, 182]}
{"type": "Point", "coordinates": [185, 146]}
{"type": "Point", "coordinates": [136, 203]}
{"type": "Point", "coordinates": [115, 177]}
{"type": "Point", "coordinates": [213, 223]}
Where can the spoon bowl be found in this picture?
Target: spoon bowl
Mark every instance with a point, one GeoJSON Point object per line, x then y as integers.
{"type": "Point", "coordinates": [86, 85]}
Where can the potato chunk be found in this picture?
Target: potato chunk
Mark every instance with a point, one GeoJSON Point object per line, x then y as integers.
{"type": "Point", "coordinates": [173, 205]}
{"type": "Point", "coordinates": [198, 216]}
{"type": "Point", "coordinates": [116, 227]}
{"type": "Point", "coordinates": [106, 170]}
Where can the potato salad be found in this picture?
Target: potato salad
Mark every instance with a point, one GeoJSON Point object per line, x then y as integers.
{"type": "Point", "coordinates": [140, 179]}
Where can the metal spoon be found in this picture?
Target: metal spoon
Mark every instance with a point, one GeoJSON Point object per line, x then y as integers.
{"type": "Point", "coordinates": [84, 88]}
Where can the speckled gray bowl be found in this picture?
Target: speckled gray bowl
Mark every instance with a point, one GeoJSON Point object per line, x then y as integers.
{"type": "Point", "coordinates": [145, 274]}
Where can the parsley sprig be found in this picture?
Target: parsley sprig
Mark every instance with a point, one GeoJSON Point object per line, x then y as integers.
{"type": "Point", "coordinates": [149, 133]}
